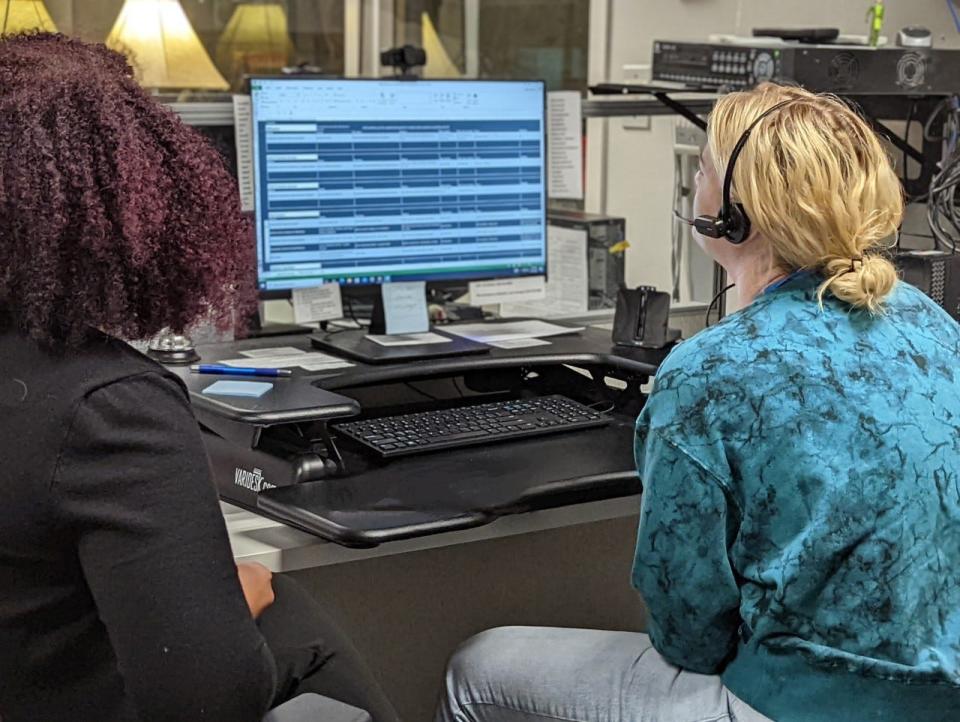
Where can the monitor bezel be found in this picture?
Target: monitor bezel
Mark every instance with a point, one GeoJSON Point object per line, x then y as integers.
{"type": "Point", "coordinates": [370, 289]}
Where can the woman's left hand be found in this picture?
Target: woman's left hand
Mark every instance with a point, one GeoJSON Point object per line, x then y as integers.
{"type": "Point", "coordinates": [255, 579]}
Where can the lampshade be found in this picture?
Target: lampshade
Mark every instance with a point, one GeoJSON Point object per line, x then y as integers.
{"type": "Point", "coordinates": [255, 40]}
{"type": "Point", "coordinates": [439, 64]}
{"type": "Point", "coordinates": [162, 47]}
{"type": "Point", "coordinates": [17, 16]}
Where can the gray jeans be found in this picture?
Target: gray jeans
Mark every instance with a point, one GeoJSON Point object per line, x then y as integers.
{"type": "Point", "coordinates": [532, 674]}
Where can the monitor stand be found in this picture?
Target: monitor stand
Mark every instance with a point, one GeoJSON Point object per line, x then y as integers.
{"type": "Point", "coordinates": [258, 327]}
{"type": "Point", "coordinates": [354, 344]}
{"type": "Point", "coordinates": [278, 329]}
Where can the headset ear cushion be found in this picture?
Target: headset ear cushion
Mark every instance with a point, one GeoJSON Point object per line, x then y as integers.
{"type": "Point", "coordinates": [738, 224]}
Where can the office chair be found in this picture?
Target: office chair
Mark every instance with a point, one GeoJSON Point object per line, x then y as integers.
{"type": "Point", "coordinates": [314, 708]}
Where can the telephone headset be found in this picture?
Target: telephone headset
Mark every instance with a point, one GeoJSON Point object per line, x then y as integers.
{"type": "Point", "coordinates": [732, 223]}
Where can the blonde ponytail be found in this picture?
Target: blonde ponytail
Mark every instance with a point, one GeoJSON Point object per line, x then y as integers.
{"type": "Point", "coordinates": [818, 184]}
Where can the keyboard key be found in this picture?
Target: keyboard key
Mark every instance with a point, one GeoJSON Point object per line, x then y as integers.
{"type": "Point", "coordinates": [456, 437]}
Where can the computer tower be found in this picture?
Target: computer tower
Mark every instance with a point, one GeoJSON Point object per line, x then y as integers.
{"type": "Point", "coordinates": [936, 273]}
{"type": "Point", "coordinates": [606, 248]}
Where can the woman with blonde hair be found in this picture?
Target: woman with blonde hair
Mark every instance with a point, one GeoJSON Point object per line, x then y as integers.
{"type": "Point", "coordinates": [799, 533]}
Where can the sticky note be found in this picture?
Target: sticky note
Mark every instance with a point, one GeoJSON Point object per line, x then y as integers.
{"type": "Point", "coordinates": [248, 389]}
{"type": "Point", "coordinates": [405, 307]}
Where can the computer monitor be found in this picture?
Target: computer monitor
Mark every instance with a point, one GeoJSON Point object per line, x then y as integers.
{"type": "Point", "coordinates": [371, 181]}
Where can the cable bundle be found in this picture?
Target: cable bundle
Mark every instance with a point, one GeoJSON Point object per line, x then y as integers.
{"type": "Point", "coordinates": [942, 212]}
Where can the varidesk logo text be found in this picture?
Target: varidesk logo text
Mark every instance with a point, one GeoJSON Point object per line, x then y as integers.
{"type": "Point", "coordinates": [252, 480]}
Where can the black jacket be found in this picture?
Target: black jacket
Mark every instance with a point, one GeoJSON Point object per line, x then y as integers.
{"type": "Point", "coordinates": [119, 598]}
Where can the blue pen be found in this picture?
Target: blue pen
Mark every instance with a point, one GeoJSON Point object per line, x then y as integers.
{"type": "Point", "coordinates": [238, 371]}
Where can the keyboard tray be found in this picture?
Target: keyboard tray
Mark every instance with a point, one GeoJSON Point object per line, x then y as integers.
{"type": "Point", "coordinates": [457, 489]}
{"type": "Point", "coordinates": [473, 425]}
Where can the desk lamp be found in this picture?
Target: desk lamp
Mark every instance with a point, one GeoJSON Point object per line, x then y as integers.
{"type": "Point", "coordinates": [439, 63]}
{"type": "Point", "coordinates": [17, 16]}
{"type": "Point", "coordinates": [162, 46]}
{"type": "Point", "coordinates": [255, 40]}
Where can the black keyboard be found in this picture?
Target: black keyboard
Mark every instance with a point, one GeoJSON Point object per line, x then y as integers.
{"type": "Point", "coordinates": [471, 425]}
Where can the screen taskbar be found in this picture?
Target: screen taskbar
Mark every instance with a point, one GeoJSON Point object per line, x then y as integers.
{"type": "Point", "coordinates": [281, 283]}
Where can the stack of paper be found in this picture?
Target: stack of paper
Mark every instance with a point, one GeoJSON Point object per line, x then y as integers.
{"type": "Point", "coordinates": [285, 357]}
{"type": "Point", "coordinates": [410, 339]}
{"type": "Point", "coordinates": [493, 333]}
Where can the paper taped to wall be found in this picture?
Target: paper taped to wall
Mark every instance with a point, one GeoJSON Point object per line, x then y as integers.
{"type": "Point", "coordinates": [507, 290]}
{"type": "Point", "coordinates": [321, 303]}
{"type": "Point", "coordinates": [243, 132]}
{"type": "Point", "coordinates": [567, 289]}
{"type": "Point", "coordinates": [565, 145]}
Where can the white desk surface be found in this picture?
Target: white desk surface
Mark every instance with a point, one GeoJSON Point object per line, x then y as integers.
{"type": "Point", "coordinates": [283, 549]}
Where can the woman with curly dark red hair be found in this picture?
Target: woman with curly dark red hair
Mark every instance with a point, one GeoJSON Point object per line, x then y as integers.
{"type": "Point", "coordinates": [120, 598]}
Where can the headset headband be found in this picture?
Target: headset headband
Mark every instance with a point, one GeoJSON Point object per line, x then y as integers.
{"type": "Point", "coordinates": [725, 209]}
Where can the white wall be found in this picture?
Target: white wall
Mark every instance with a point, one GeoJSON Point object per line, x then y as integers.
{"type": "Point", "coordinates": [639, 163]}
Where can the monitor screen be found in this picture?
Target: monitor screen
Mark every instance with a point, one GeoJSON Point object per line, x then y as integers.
{"type": "Point", "coordinates": [373, 181]}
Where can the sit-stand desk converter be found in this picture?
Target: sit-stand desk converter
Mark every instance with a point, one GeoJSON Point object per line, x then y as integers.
{"type": "Point", "coordinates": [276, 454]}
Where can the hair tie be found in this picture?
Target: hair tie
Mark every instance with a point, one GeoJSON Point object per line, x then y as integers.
{"type": "Point", "coordinates": [853, 264]}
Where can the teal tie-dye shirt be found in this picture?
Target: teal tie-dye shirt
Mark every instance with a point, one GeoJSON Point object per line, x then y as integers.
{"type": "Point", "coordinates": [800, 523]}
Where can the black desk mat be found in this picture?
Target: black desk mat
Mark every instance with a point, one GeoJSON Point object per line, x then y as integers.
{"type": "Point", "coordinates": [462, 488]}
